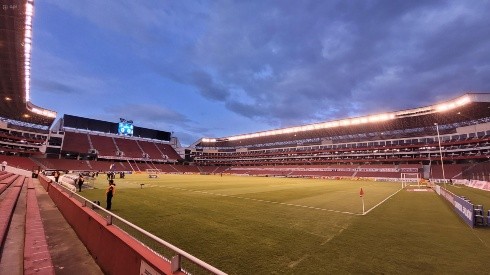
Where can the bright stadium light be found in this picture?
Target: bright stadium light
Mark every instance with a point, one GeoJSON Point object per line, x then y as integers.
{"type": "Point", "coordinates": [444, 107]}
{"type": "Point", "coordinates": [356, 121]}
{"type": "Point", "coordinates": [462, 101]}
{"type": "Point", "coordinates": [453, 104]}
{"type": "Point", "coordinates": [27, 47]}
{"type": "Point", "coordinates": [345, 122]}
{"type": "Point", "coordinates": [27, 43]}
{"type": "Point", "coordinates": [317, 126]}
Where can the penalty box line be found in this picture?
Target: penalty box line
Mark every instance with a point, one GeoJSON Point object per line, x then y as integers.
{"type": "Point", "coordinates": [265, 201]}
{"type": "Point", "coordinates": [372, 208]}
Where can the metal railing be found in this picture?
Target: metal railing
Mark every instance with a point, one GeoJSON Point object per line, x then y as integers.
{"type": "Point", "coordinates": [178, 258]}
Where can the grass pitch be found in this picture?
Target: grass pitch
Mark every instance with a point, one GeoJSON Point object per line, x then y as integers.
{"type": "Point", "coordinates": [260, 225]}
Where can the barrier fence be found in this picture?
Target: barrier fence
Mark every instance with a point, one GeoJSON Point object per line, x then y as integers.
{"type": "Point", "coordinates": [117, 244]}
{"type": "Point", "coordinates": [472, 214]}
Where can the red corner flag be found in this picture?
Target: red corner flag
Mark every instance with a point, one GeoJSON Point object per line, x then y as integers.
{"type": "Point", "coordinates": [361, 193]}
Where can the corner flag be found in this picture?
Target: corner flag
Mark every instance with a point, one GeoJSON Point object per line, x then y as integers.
{"type": "Point", "coordinates": [361, 193]}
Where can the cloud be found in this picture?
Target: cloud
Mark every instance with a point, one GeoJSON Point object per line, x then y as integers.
{"type": "Point", "coordinates": [208, 87]}
{"type": "Point", "coordinates": [53, 86]}
{"type": "Point", "coordinates": [148, 113]}
{"type": "Point", "coordinates": [331, 60]}
{"type": "Point", "coordinates": [56, 75]}
{"type": "Point", "coordinates": [294, 62]}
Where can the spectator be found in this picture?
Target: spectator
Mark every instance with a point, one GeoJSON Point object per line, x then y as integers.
{"type": "Point", "coordinates": [4, 165]}
{"type": "Point", "coordinates": [80, 183]}
{"type": "Point", "coordinates": [56, 176]}
{"type": "Point", "coordinates": [111, 191]}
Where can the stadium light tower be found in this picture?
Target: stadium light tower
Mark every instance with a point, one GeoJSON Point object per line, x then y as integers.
{"type": "Point", "coordinates": [440, 153]}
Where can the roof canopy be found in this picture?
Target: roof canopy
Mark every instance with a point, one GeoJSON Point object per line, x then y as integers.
{"type": "Point", "coordinates": [15, 50]}
{"type": "Point", "coordinates": [471, 106]}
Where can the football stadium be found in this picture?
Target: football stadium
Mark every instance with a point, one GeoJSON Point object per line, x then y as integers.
{"type": "Point", "coordinates": [395, 192]}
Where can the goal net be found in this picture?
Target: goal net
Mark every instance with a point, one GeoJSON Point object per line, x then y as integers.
{"type": "Point", "coordinates": [153, 173]}
{"type": "Point", "coordinates": [410, 179]}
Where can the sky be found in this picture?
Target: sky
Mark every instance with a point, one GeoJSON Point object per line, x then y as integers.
{"type": "Point", "coordinates": [222, 68]}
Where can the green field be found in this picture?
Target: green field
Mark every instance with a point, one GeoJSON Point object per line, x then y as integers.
{"type": "Point", "coordinates": [260, 225]}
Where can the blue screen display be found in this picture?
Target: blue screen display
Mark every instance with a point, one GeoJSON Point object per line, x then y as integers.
{"type": "Point", "coordinates": [125, 129]}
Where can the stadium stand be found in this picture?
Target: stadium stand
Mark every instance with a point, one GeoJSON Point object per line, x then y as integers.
{"type": "Point", "coordinates": [129, 148]}
{"type": "Point", "coordinates": [20, 142]}
{"type": "Point", "coordinates": [186, 168]}
{"type": "Point", "coordinates": [102, 166]}
{"type": "Point", "coordinates": [105, 145]}
{"type": "Point", "coordinates": [451, 171]}
{"type": "Point", "coordinates": [76, 143]}
{"type": "Point", "coordinates": [19, 162]}
{"type": "Point", "coordinates": [393, 141]}
{"type": "Point", "coordinates": [150, 149]}
{"type": "Point", "coordinates": [167, 168]}
{"type": "Point", "coordinates": [212, 169]}
{"type": "Point", "coordinates": [10, 191]}
{"type": "Point", "coordinates": [64, 164]}
{"type": "Point", "coordinates": [167, 151]}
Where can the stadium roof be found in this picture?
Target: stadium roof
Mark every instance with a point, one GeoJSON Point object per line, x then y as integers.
{"type": "Point", "coordinates": [471, 106]}
{"type": "Point", "coordinates": [15, 51]}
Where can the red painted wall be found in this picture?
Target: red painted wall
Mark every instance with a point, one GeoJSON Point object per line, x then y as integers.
{"type": "Point", "coordinates": [113, 249]}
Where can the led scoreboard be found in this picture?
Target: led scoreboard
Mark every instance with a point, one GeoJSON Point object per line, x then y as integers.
{"type": "Point", "coordinates": [125, 127]}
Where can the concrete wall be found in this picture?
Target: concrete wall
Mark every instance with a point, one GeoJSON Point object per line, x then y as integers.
{"type": "Point", "coordinates": [113, 249]}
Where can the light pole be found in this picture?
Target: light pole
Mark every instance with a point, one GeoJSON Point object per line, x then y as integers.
{"type": "Point", "coordinates": [440, 153]}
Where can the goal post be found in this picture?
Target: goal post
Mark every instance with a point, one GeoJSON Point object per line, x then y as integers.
{"type": "Point", "coordinates": [153, 173]}
{"type": "Point", "coordinates": [410, 179]}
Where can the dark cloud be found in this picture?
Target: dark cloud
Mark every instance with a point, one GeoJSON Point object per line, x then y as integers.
{"type": "Point", "coordinates": [329, 58]}
{"type": "Point", "coordinates": [54, 87]}
{"type": "Point", "coordinates": [208, 87]}
{"type": "Point", "coordinates": [151, 114]}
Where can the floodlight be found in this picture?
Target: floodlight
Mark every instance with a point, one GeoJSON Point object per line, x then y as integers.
{"type": "Point", "coordinates": [462, 101]}
{"type": "Point", "coordinates": [345, 122]}
{"type": "Point", "coordinates": [442, 107]}
{"type": "Point", "coordinates": [355, 121]}
{"type": "Point", "coordinates": [453, 104]}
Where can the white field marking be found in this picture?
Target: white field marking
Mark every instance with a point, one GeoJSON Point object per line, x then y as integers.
{"type": "Point", "coordinates": [295, 263]}
{"type": "Point", "coordinates": [260, 200]}
{"type": "Point", "coordinates": [474, 234]}
{"type": "Point", "coordinates": [333, 236]}
{"type": "Point", "coordinates": [372, 208]}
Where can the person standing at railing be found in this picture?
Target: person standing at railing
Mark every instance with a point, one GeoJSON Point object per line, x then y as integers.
{"type": "Point", "coordinates": [56, 176]}
{"type": "Point", "coordinates": [80, 183]}
{"type": "Point", "coordinates": [4, 165]}
{"type": "Point", "coordinates": [110, 192]}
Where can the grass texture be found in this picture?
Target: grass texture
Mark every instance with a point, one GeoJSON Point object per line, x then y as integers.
{"type": "Point", "coordinates": [261, 225]}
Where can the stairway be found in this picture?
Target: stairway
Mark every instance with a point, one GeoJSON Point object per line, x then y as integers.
{"type": "Point", "coordinates": [43, 167]}
{"type": "Point", "coordinates": [90, 142]}
{"type": "Point", "coordinates": [34, 236]}
{"type": "Point", "coordinates": [24, 248]}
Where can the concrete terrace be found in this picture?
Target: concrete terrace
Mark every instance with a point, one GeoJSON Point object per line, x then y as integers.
{"type": "Point", "coordinates": [34, 236]}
